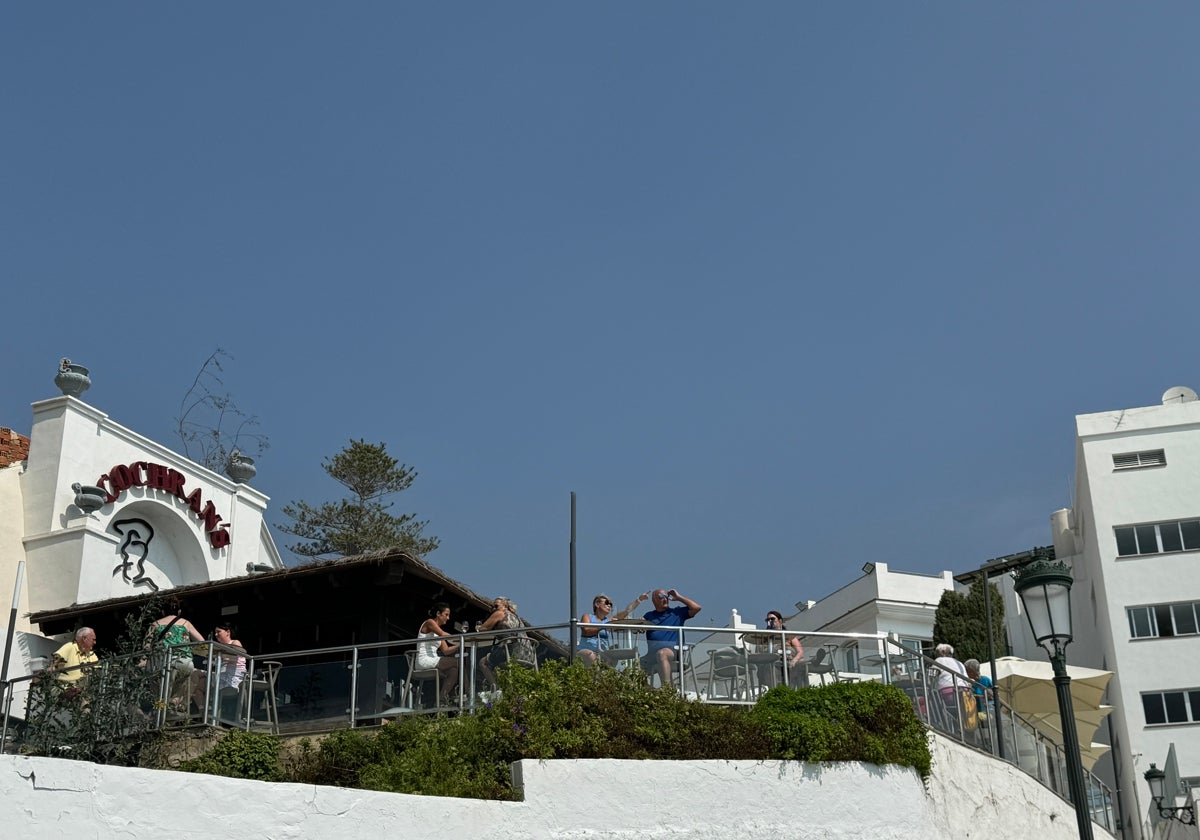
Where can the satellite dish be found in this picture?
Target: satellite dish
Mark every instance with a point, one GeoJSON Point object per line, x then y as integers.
{"type": "Point", "coordinates": [1178, 394]}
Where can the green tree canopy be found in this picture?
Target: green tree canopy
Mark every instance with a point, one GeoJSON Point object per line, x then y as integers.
{"type": "Point", "coordinates": [960, 621]}
{"type": "Point", "coordinates": [360, 523]}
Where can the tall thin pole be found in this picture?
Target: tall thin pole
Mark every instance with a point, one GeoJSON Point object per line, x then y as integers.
{"type": "Point", "coordinates": [574, 611]}
{"type": "Point", "coordinates": [12, 622]}
{"type": "Point", "coordinates": [994, 708]}
{"type": "Point", "coordinates": [1066, 711]}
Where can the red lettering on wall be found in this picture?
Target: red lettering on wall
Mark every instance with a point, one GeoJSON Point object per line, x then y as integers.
{"type": "Point", "coordinates": [112, 494]}
{"type": "Point", "coordinates": [194, 500]}
{"type": "Point", "coordinates": [158, 477]}
{"type": "Point", "coordinates": [121, 478]}
{"type": "Point", "coordinates": [211, 517]}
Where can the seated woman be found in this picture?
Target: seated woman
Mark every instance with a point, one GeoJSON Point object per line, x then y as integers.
{"type": "Point", "coordinates": [793, 650]}
{"type": "Point", "coordinates": [515, 646]}
{"type": "Point", "coordinates": [595, 640]}
{"type": "Point", "coordinates": [440, 653]}
{"type": "Point", "coordinates": [982, 687]}
{"type": "Point", "coordinates": [229, 667]}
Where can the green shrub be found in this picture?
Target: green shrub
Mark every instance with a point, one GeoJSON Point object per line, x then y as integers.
{"type": "Point", "coordinates": [844, 722]}
{"type": "Point", "coordinates": [336, 760]}
{"type": "Point", "coordinates": [576, 712]}
{"type": "Point", "coordinates": [568, 711]}
{"type": "Point", "coordinates": [561, 712]}
{"type": "Point", "coordinates": [242, 755]}
{"type": "Point", "coordinates": [462, 756]}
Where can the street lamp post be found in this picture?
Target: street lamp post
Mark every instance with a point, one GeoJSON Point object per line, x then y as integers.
{"type": "Point", "coordinates": [1156, 779]}
{"type": "Point", "coordinates": [1045, 592]}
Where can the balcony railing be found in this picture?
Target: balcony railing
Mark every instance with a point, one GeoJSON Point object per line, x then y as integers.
{"type": "Point", "coordinates": [329, 688]}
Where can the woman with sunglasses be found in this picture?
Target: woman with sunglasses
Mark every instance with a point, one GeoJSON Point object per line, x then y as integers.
{"type": "Point", "coordinates": [792, 650]}
{"type": "Point", "coordinates": [509, 646]}
{"type": "Point", "coordinates": [595, 640]}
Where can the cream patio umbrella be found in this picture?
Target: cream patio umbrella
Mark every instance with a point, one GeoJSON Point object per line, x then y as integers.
{"type": "Point", "coordinates": [1087, 721]}
{"type": "Point", "coordinates": [1027, 686]}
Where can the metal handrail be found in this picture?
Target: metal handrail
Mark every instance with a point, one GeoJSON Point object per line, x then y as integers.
{"type": "Point", "coordinates": [1000, 714]}
{"type": "Point", "coordinates": [1002, 726]}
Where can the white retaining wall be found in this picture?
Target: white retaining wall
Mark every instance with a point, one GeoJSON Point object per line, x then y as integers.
{"type": "Point", "coordinates": [969, 796]}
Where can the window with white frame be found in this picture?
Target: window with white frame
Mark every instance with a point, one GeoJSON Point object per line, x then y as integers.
{"type": "Point", "coordinates": [1159, 620]}
{"type": "Point", "coordinates": [1134, 460]}
{"type": "Point", "coordinates": [1181, 706]}
{"type": "Point", "coordinates": [1158, 538]}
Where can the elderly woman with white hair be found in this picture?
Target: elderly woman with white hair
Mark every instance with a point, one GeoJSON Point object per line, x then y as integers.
{"type": "Point", "coordinates": [948, 683]}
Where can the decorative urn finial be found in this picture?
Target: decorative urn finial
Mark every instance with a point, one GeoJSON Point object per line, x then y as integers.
{"type": "Point", "coordinates": [72, 379]}
{"type": "Point", "coordinates": [88, 498]}
{"type": "Point", "coordinates": [240, 467]}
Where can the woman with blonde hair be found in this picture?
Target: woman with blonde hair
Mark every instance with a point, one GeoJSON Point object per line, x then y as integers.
{"type": "Point", "coordinates": [509, 646]}
{"type": "Point", "coordinates": [595, 640]}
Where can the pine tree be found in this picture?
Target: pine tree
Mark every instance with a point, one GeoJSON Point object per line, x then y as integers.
{"type": "Point", "coordinates": [361, 523]}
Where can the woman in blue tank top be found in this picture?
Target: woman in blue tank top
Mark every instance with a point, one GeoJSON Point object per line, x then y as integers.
{"type": "Point", "coordinates": [595, 640]}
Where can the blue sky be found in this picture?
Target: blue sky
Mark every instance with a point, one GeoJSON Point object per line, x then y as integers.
{"type": "Point", "coordinates": [777, 288]}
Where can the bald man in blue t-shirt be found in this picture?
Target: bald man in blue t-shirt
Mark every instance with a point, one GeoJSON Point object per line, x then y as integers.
{"type": "Point", "coordinates": [661, 644]}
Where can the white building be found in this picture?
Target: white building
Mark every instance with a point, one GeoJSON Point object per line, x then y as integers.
{"type": "Point", "coordinates": [98, 512]}
{"type": "Point", "coordinates": [1132, 539]}
{"type": "Point", "coordinates": [879, 601]}
{"type": "Point", "coordinates": [104, 519]}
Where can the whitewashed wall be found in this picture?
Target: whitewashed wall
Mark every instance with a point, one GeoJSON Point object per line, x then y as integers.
{"type": "Point", "coordinates": [970, 795]}
{"type": "Point", "coordinates": [72, 556]}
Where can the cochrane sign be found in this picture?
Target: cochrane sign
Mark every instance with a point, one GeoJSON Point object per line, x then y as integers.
{"type": "Point", "coordinates": [158, 477]}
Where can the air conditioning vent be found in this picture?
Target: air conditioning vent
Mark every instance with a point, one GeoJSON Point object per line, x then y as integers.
{"type": "Point", "coordinates": [1134, 460]}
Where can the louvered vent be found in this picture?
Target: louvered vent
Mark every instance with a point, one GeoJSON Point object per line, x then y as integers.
{"type": "Point", "coordinates": [1133, 460]}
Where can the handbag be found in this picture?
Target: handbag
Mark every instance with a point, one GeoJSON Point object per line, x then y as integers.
{"type": "Point", "coordinates": [970, 709]}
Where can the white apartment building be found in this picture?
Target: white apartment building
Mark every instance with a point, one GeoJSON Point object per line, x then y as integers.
{"type": "Point", "coordinates": [1132, 539]}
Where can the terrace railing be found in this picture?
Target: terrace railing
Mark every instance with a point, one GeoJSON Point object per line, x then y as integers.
{"type": "Point", "coordinates": [328, 688]}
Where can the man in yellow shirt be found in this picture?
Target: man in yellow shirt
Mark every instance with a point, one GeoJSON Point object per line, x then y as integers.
{"type": "Point", "coordinates": [78, 652]}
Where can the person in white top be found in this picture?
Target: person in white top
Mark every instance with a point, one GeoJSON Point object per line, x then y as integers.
{"type": "Point", "coordinates": [436, 651]}
{"type": "Point", "coordinates": [948, 682]}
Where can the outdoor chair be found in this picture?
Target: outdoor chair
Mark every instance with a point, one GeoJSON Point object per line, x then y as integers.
{"type": "Point", "coordinates": [528, 659]}
{"type": "Point", "coordinates": [421, 676]}
{"type": "Point", "coordinates": [682, 664]}
{"type": "Point", "coordinates": [266, 675]}
{"type": "Point", "coordinates": [729, 668]}
{"type": "Point", "coordinates": [820, 667]}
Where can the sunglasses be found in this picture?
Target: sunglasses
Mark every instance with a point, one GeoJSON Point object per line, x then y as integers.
{"type": "Point", "coordinates": [604, 601]}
